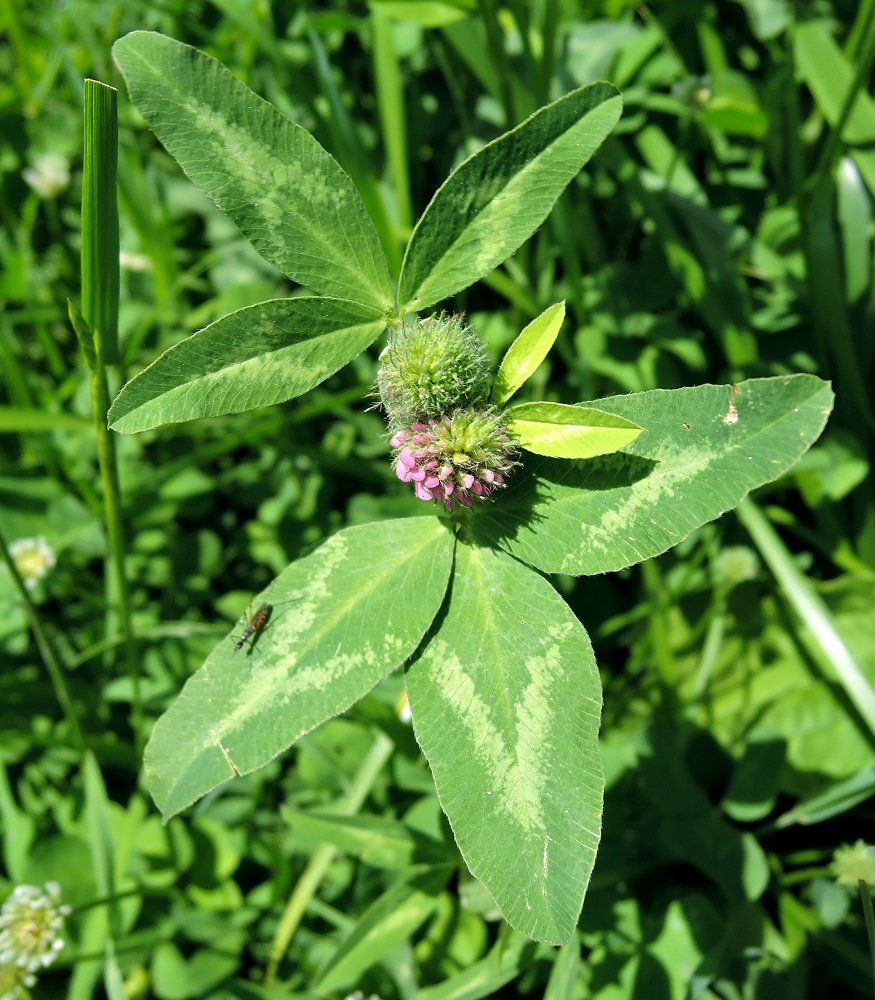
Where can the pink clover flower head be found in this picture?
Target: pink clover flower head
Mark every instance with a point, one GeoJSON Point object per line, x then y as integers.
{"type": "Point", "coordinates": [456, 458]}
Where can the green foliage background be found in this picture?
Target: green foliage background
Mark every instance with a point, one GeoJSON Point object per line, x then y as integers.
{"type": "Point", "coordinates": [723, 232]}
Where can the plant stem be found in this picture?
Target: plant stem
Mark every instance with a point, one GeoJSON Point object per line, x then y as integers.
{"type": "Point", "coordinates": [99, 337]}
{"type": "Point", "coordinates": [830, 151]}
{"type": "Point", "coordinates": [309, 881]}
{"type": "Point", "coordinates": [495, 42]}
{"type": "Point", "coordinates": [112, 505]}
{"type": "Point", "coordinates": [548, 59]}
{"type": "Point", "coordinates": [52, 663]}
{"type": "Point", "coordinates": [869, 919]}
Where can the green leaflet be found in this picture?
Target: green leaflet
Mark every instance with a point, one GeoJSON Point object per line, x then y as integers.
{"type": "Point", "coordinates": [826, 71]}
{"type": "Point", "coordinates": [703, 449]}
{"type": "Point", "coordinates": [289, 198]}
{"type": "Point", "coordinates": [498, 197]}
{"type": "Point", "coordinates": [398, 912]}
{"type": "Point", "coordinates": [343, 618]}
{"type": "Point", "coordinates": [506, 701]}
{"type": "Point", "coordinates": [527, 352]}
{"type": "Point", "coordinates": [563, 431]}
{"type": "Point", "coordinates": [258, 356]}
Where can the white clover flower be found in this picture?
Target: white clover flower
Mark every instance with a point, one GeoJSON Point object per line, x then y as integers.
{"type": "Point", "coordinates": [31, 924]}
{"type": "Point", "coordinates": [33, 558]}
{"type": "Point", "coordinates": [133, 261]}
{"type": "Point", "coordinates": [49, 175]}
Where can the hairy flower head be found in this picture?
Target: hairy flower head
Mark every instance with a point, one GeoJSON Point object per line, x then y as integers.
{"type": "Point", "coordinates": [430, 368]}
{"type": "Point", "coordinates": [459, 458]}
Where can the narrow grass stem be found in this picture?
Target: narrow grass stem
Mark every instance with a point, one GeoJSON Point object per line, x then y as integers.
{"type": "Point", "coordinates": [46, 650]}
{"type": "Point", "coordinates": [869, 919]}
{"type": "Point", "coordinates": [495, 41]}
{"type": "Point", "coordinates": [863, 22]}
{"type": "Point", "coordinates": [659, 601]}
{"type": "Point", "coordinates": [820, 635]}
{"type": "Point", "coordinates": [548, 59]}
{"type": "Point", "coordinates": [393, 118]}
{"type": "Point", "coordinates": [861, 75]}
{"type": "Point", "coordinates": [10, 11]}
{"type": "Point", "coordinates": [106, 454]}
{"type": "Point", "coordinates": [309, 881]}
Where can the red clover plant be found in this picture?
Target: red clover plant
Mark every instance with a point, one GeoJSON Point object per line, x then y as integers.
{"type": "Point", "coordinates": [503, 687]}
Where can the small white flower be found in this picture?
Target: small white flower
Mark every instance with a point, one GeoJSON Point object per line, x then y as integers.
{"type": "Point", "coordinates": [49, 175]}
{"type": "Point", "coordinates": [31, 924]}
{"type": "Point", "coordinates": [133, 261]}
{"type": "Point", "coordinates": [33, 558]}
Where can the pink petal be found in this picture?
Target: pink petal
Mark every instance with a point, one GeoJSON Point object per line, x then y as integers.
{"type": "Point", "coordinates": [398, 439]}
{"type": "Point", "coordinates": [430, 482]}
{"type": "Point", "coordinates": [487, 476]}
{"type": "Point", "coordinates": [407, 458]}
{"type": "Point", "coordinates": [419, 427]}
{"type": "Point", "coordinates": [476, 488]}
{"type": "Point", "coordinates": [402, 472]}
{"type": "Point", "coordinates": [417, 475]}
{"type": "Point", "coordinates": [467, 480]}
{"type": "Point", "coordinates": [446, 470]}
{"type": "Point", "coordinates": [448, 488]}
{"type": "Point", "coordinates": [422, 492]}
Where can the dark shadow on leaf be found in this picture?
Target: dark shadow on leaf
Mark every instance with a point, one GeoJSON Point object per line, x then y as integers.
{"type": "Point", "coordinates": [512, 509]}
{"type": "Point", "coordinates": [607, 472]}
{"type": "Point", "coordinates": [531, 489]}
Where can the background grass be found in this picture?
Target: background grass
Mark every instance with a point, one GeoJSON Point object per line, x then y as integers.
{"type": "Point", "coordinates": [723, 232]}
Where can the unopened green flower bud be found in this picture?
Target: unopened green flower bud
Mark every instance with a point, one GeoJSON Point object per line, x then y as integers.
{"type": "Point", "coordinates": [432, 367]}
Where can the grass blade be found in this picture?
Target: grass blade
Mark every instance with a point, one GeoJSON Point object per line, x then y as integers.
{"type": "Point", "coordinates": [820, 636]}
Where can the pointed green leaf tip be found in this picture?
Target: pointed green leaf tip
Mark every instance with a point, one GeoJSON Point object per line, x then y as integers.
{"type": "Point", "coordinates": [561, 431]}
{"type": "Point", "coordinates": [527, 352]}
